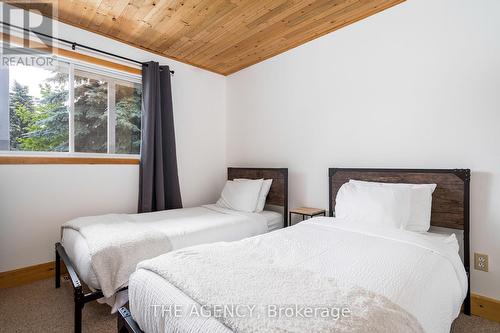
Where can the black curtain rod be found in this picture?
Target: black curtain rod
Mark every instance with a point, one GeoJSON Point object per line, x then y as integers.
{"type": "Point", "coordinates": [74, 45]}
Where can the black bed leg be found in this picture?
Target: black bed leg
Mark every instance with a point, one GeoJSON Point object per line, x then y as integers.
{"type": "Point", "coordinates": [125, 322]}
{"type": "Point", "coordinates": [467, 305]}
{"type": "Point", "coordinates": [122, 328]}
{"type": "Point", "coordinates": [58, 269]}
{"type": "Point", "coordinates": [78, 316]}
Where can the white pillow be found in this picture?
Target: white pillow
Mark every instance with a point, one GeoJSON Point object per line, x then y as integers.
{"type": "Point", "coordinates": [378, 206]}
{"type": "Point", "coordinates": [264, 191]}
{"type": "Point", "coordinates": [420, 203]}
{"type": "Point", "coordinates": [240, 196]}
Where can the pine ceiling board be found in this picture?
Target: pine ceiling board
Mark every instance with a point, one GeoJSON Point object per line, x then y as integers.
{"type": "Point", "coordinates": [82, 17]}
{"type": "Point", "coordinates": [179, 16]}
{"type": "Point", "coordinates": [270, 33]}
{"type": "Point", "coordinates": [230, 34]}
{"type": "Point", "coordinates": [165, 16]}
{"type": "Point", "coordinates": [272, 13]}
{"type": "Point", "coordinates": [160, 10]}
{"type": "Point", "coordinates": [114, 11]}
{"type": "Point", "coordinates": [85, 18]}
{"type": "Point", "coordinates": [222, 63]}
{"type": "Point", "coordinates": [213, 12]}
{"type": "Point", "coordinates": [269, 52]}
{"type": "Point", "coordinates": [96, 21]}
{"type": "Point", "coordinates": [78, 6]}
{"type": "Point", "coordinates": [266, 50]}
{"type": "Point", "coordinates": [172, 21]}
{"type": "Point", "coordinates": [314, 29]}
{"type": "Point", "coordinates": [201, 39]}
{"type": "Point", "coordinates": [137, 25]}
{"type": "Point", "coordinates": [264, 32]}
{"type": "Point", "coordinates": [223, 36]}
{"type": "Point", "coordinates": [156, 18]}
{"type": "Point", "coordinates": [125, 23]}
{"type": "Point", "coordinates": [198, 34]}
{"type": "Point", "coordinates": [209, 18]}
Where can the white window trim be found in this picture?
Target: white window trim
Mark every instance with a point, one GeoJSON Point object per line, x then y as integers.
{"type": "Point", "coordinates": [103, 71]}
{"type": "Point", "coordinates": [111, 116]}
{"type": "Point", "coordinates": [71, 109]}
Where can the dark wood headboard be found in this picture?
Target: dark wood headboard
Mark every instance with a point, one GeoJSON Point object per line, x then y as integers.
{"type": "Point", "coordinates": [278, 194]}
{"type": "Point", "coordinates": [450, 200]}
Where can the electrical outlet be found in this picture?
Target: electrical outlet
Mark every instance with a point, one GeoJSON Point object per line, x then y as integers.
{"type": "Point", "coordinates": [481, 262]}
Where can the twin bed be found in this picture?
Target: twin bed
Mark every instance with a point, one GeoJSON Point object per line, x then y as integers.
{"type": "Point", "coordinates": [130, 238]}
{"type": "Point", "coordinates": [386, 279]}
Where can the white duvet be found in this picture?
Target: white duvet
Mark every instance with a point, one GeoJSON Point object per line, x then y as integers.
{"type": "Point", "coordinates": [117, 242]}
{"type": "Point", "coordinates": [421, 273]}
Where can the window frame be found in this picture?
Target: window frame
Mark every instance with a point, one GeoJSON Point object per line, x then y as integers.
{"type": "Point", "coordinates": [112, 77]}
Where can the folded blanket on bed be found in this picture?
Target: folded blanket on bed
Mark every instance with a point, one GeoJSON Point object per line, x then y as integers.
{"type": "Point", "coordinates": [255, 273]}
{"type": "Point", "coordinates": [116, 244]}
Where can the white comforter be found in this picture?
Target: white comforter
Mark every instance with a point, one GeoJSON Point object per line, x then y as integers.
{"type": "Point", "coordinates": [421, 273]}
{"type": "Point", "coordinates": [117, 242]}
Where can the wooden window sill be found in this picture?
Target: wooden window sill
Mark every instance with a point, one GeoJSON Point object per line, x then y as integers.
{"type": "Point", "coordinates": [67, 160]}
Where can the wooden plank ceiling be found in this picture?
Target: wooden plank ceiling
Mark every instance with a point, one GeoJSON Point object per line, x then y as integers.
{"type": "Point", "coordinates": [222, 36]}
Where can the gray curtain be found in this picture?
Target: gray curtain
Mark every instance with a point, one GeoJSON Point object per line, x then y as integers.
{"type": "Point", "coordinates": [158, 179]}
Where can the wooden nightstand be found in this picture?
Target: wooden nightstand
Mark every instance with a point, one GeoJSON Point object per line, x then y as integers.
{"type": "Point", "coordinates": [306, 211]}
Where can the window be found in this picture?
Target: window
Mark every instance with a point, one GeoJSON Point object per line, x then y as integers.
{"type": "Point", "coordinates": [128, 117]}
{"type": "Point", "coordinates": [38, 108]}
{"type": "Point", "coordinates": [72, 108]}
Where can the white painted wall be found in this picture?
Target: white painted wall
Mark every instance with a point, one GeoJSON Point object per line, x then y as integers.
{"type": "Point", "coordinates": [415, 86]}
{"type": "Point", "coordinates": [35, 200]}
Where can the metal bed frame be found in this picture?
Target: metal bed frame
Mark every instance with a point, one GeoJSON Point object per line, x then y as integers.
{"type": "Point", "coordinates": [125, 322]}
{"type": "Point", "coordinates": [80, 297]}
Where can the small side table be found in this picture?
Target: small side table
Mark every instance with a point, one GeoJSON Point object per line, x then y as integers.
{"type": "Point", "coordinates": [306, 211]}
